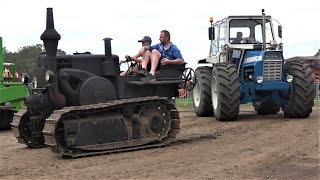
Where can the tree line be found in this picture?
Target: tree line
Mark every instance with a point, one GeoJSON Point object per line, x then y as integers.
{"type": "Point", "coordinates": [25, 58]}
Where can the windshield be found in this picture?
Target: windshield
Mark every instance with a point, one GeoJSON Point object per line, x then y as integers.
{"type": "Point", "coordinates": [248, 31]}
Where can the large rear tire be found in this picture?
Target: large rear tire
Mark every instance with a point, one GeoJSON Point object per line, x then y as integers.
{"type": "Point", "coordinates": [225, 91]}
{"type": "Point", "coordinates": [300, 102]}
{"type": "Point", "coordinates": [201, 93]}
{"type": "Point", "coordinates": [6, 117]}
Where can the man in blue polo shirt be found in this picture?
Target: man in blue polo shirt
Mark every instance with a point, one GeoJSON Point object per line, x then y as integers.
{"type": "Point", "coordinates": [165, 53]}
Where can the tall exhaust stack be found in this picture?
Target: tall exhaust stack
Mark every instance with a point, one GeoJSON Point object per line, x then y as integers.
{"type": "Point", "coordinates": [50, 38]}
{"type": "Point", "coordinates": [111, 66]}
{"type": "Point", "coordinates": [107, 48]}
{"type": "Point", "coordinates": [264, 30]}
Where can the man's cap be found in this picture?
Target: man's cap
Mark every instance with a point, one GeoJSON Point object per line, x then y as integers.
{"type": "Point", "coordinates": [145, 38]}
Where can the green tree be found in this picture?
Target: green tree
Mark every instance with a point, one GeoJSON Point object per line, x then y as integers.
{"type": "Point", "coordinates": [25, 58]}
{"type": "Point", "coordinates": [318, 53]}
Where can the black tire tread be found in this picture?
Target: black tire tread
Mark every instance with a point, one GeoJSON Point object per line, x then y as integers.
{"type": "Point", "coordinates": [6, 117]}
{"type": "Point", "coordinates": [205, 108]}
{"type": "Point", "coordinates": [301, 100]}
{"type": "Point", "coordinates": [266, 108]}
{"type": "Point", "coordinates": [228, 91]}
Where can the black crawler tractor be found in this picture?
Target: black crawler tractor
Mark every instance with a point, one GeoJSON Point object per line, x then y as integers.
{"type": "Point", "coordinates": [80, 105]}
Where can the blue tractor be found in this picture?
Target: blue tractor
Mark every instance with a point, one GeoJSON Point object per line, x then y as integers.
{"type": "Point", "coordinates": [248, 66]}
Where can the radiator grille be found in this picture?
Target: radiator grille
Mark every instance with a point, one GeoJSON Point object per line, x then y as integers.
{"type": "Point", "coordinates": [272, 70]}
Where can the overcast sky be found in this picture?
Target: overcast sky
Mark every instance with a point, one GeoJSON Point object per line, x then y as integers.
{"type": "Point", "coordinates": [83, 24]}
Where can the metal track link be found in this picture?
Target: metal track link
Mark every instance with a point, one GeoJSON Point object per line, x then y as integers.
{"type": "Point", "coordinates": [17, 129]}
{"type": "Point", "coordinates": [52, 121]}
{"type": "Point", "coordinates": [16, 123]}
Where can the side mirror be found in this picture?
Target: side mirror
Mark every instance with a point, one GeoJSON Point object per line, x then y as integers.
{"type": "Point", "coordinates": [211, 33]}
{"type": "Point", "coordinates": [280, 31]}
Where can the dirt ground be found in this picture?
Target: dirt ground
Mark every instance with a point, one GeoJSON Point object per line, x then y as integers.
{"type": "Point", "coordinates": [253, 147]}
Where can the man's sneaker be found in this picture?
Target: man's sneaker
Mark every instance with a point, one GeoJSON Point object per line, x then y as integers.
{"type": "Point", "coordinates": [143, 72]}
{"type": "Point", "coordinates": [148, 78]}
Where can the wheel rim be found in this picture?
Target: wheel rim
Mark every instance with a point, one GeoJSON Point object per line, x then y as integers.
{"type": "Point", "coordinates": [197, 93]}
{"type": "Point", "coordinates": [214, 92]}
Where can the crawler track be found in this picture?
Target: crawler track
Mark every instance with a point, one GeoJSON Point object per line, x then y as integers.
{"type": "Point", "coordinates": [25, 128]}
{"type": "Point", "coordinates": [55, 133]}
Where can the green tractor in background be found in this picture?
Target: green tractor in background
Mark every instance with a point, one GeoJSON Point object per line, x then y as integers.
{"type": "Point", "coordinates": [12, 93]}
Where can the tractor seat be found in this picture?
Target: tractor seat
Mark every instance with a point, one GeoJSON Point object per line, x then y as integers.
{"type": "Point", "coordinates": [170, 70]}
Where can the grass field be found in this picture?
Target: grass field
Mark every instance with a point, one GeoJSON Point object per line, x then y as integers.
{"type": "Point", "coordinates": [186, 103]}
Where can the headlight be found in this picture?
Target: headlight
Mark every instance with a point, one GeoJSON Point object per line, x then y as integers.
{"type": "Point", "coordinates": [25, 78]}
{"type": "Point", "coordinates": [49, 75]}
{"type": "Point", "coordinates": [289, 78]}
{"type": "Point", "coordinates": [259, 79]}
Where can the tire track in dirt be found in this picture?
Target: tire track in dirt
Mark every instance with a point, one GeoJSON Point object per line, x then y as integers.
{"type": "Point", "coordinates": [253, 147]}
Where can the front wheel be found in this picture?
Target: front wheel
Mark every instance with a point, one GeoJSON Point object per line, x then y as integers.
{"type": "Point", "coordinates": [300, 102]}
{"type": "Point", "coordinates": [225, 91]}
{"type": "Point", "coordinates": [201, 93]}
{"type": "Point", "coordinates": [264, 108]}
